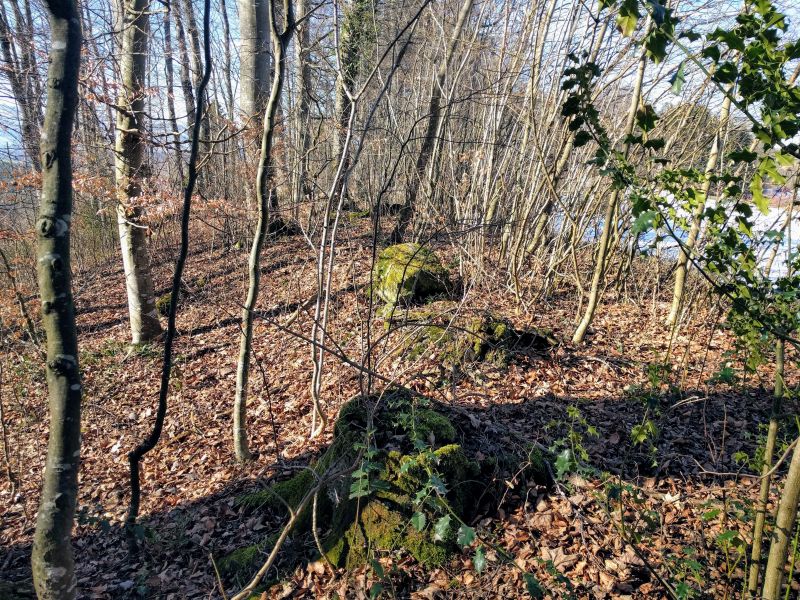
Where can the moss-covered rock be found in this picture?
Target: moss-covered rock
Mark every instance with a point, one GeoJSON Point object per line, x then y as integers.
{"type": "Point", "coordinates": [410, 442]}
{"type": "Point", "coordinates": [406, 273]}
{"type": "Point", "coordinates": [467, 340]}
{"type": "Point", "coordinates": [162, 303]}
{"type": "Point", "coordinates": [401, 444]}
{"type": "Point", "coordinates": [277, 227]}
{"type": "Point", "coordinates": [240, 564]}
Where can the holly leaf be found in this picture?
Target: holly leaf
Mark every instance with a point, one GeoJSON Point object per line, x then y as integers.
{"type": "Point", "coordinates": [678, 78]}
{"type": "Point", "coordinates": [466, 535]}
{"type": "Point", "coordinates": [418, 520]}
{"type": "Point", "coordinates": [479, 560]}
{"type": "Point", "coordinates": [628, 17]}
{"type": "Point", "coordinates": [533, 586]}
{"type": "Point", "coordinates": [441, 528]}
{"type": "Point", "coordinates": [563, 463]}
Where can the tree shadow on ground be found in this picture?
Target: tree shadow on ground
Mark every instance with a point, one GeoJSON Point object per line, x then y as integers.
{"type": "Point", "coordinates": [696, 437]}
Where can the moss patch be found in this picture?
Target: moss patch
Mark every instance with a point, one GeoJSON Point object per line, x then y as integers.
{"type": "Point", "coordinates": [162, 304]}
{"type": "Point", "coordinates": [411, 442]}
{"type": "Point", "coordinates": [412, 445]}
{"type": "Point", "coordinates": [469, 339]}
{"type": "Point", "coordinates": [406, 273]}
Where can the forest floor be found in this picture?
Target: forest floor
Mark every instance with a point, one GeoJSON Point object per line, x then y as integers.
{"type": "Point", "coordinates": [682, 506]}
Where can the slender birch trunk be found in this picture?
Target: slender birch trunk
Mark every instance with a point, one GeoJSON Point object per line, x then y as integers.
{"type": "Point", "coordinates": [782, 533]}
{"type": "Point", "coordinates": [766, 480]}
{"type": "Point", "coordinates": [687, 248]}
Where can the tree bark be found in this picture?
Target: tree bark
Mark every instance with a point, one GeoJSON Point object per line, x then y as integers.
{"type": "Point", "coordinates": [130, 172]}
{"type": "Point", "coordinates": [301, 188]}
{"type": "Point", "coordinates": [264, 189]}
{"type": "Point", "coordinates": [254, 58]}
{"type": "Point", "coordinates": [611, 211]}
{"type": "Point", "coordinates": [784, 525]}
{"type": "Point", "coordinates": [52, 557]}
{"type": "Point", "coordinates": [434, 122]}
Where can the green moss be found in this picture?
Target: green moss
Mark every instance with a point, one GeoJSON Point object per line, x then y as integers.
{"type": "Point", "coordinates": [432, 423]}
{"type": "Point", "coordinates": [474, 339]}
{"type": "Point", "coordinates": [407, 273]}
{"type": "Point", "coordinates": [450, 463]}
{"type": "Point", "coordinates": [162, 303]}
{"type": "Point", "coordinates": [351, 530]}
{"type": "Point", "coordinates": [240, 564]}
{"type": "Point", "coordinates": [354, 215]}
{"type": "Point", "coordinates": [277, 496]}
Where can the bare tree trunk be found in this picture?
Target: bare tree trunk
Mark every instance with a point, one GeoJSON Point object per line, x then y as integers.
{"type": "Point", "coordinates": [173, 120]}
{"type": "Point", "coordinates": [130, 172]}
{"type": "Point", "coordinates": [186, 73]}
{"type": "Point", "coordinates": [784, 525]}
{"type": "Point", "coordinates": [301, 188]}
{"type": "Point", "coordinates": [264, 189]}
{"type": "Point", "coordinates": [52, 558]}
{"type": "Point", "coordinates": [434, 120]}
{"type": "Point", "coordinates": [766, 480]}
{"type": "Point", "coordinates": [254, 58]}
{"type": "Point", "coordinates": [697, 216]}
{"type": "Point", "coordinates": [611, 210]}
{"type": "Point", "coordinates": [226, 60]}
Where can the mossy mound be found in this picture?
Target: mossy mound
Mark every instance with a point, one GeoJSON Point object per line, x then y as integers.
{"type": "Point", "coordinates": [370, 509]}
{"type": "Point", "coordinates": [406, 273]}
{"type": "Point", "coordinates": [162, 304]}
{"type": "Point", "coordinates": [469, 339]}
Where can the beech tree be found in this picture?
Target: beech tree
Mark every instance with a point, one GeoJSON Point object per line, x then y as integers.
{"type": "Point", "coordinates": [131, 172]}
{"type": "Point", "coordinates": [52, 558]}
